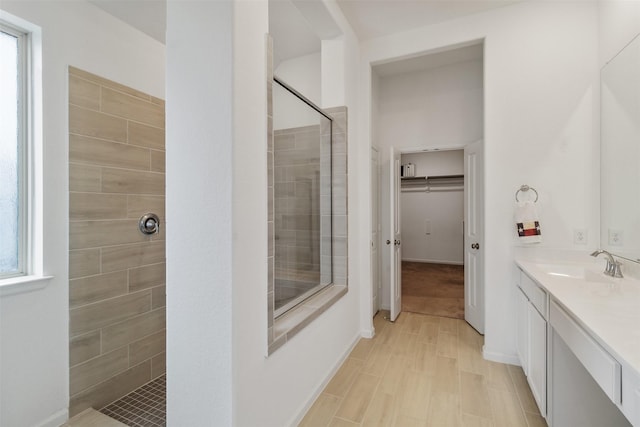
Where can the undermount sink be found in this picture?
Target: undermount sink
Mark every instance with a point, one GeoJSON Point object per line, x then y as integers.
{"type": "Point", "coordinates": [563, 270]}
{"type": "Point", "coordinates": [590, 273]}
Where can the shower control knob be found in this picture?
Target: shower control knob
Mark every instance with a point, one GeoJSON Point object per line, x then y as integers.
{"type": "Point", "coordinates": [149, 224]}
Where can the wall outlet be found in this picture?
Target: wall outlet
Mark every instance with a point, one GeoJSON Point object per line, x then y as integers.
{"type": "Point", "coordinates": [580, 236]}
{"type": "Point", "coordinates": [615, 237]}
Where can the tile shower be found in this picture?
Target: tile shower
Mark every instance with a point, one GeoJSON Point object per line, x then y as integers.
{"type": "Point", "coordinates": [117, 274]}
{"type": "Point", "coordinates": [302, 190]}
{"type": "Point", "coordinates": [297, 192]}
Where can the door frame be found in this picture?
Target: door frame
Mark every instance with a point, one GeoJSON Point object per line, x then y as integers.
{"type": "Point", "coordinates": [374, 254]}
{"type": "Point", "coordinates": [427, 149]}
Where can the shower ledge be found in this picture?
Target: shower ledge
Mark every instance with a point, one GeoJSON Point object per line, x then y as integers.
{"type": "Point", "coordinates": [296, 319]}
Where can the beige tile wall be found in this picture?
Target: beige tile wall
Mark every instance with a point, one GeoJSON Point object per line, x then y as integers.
{"type": "Point", "coordinates": [117, 275]}
{"type": "Point", "coordinates": [296, 197]}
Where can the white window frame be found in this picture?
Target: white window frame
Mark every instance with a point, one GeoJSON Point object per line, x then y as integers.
{"type": "Point", "coordinates": [23, 167]}
{"type": "Point", "coordinates": [31, 270]}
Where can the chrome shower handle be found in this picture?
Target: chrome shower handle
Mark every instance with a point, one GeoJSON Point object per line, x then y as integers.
{"type": "Point", "coordinates": [149, 224]}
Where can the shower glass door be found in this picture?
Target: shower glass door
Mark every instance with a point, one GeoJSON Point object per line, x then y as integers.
{"type": "Point", "coordinates": [302, 198]}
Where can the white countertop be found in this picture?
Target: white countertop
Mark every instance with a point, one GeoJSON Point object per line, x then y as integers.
{"type": "Point", "coordinates": [608, 308]}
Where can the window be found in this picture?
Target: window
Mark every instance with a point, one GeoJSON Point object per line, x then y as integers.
{"type": "Point", "coordinates": [12, 134]}
{"type": "Point", "coordinates": [20, 150]}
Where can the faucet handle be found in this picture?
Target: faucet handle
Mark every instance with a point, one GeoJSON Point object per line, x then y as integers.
{"type": "Point", "coordinates": [610, 268]}
{"type": "Point", "coordinates": [617, 272]}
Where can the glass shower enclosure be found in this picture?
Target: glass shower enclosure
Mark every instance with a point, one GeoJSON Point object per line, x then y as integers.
{"type": "Point", "coordinates": [302, 198]}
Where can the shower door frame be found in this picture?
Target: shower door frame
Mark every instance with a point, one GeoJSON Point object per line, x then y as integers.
{"type": "Point", "coordinates": [320, 286]}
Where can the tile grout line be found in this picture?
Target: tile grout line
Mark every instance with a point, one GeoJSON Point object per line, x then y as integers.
{"type": "Point", "coordinates": [520, 402]}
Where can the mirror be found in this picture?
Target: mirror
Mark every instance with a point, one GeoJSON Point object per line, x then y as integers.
{"type": "Point", "coordinates": [620, 154]}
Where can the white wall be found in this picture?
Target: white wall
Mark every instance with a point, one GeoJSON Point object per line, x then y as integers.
{"type": "Point", "coordinates": [443, 209]}
{"type": "Point", "coordinates": [290, 112]}
{"type": "Point", "coordinates": [441, 107]}
{"type": "Point", "coordinates": [199, 190]}
{"type": "Point", "coordinates": [264, 391]}
{"type": "Point", "coordinates": [302, 73]}
{"type": "Point", "coordinates": [540, 123]}
{"type": "Point", "coordinates": [619, 22]}
{"type": "Point", "coordinates": [34, 373]}
{"type": "Point", "coordinates": [340, 86]}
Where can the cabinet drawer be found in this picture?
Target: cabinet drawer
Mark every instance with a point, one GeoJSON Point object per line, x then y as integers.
{"type": "Point", "coordinates": [604, 369]}
{"type": "Point", "coordinates": [535, 293]}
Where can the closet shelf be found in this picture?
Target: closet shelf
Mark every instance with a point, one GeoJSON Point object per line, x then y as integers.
{"type": "Point", "coordinates": [433, 183]}
{"type": "Point", "coordinates": [413, 180]}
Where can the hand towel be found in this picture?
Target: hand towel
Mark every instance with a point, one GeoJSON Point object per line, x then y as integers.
{"type": "Point", "coordinates": [527, 222]}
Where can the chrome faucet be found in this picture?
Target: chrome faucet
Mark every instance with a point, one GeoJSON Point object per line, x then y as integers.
{"type": "Point", "coordinates": [613, 266]}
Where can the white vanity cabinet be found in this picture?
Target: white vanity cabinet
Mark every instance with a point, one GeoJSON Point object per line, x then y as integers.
{"type": "Point", "coordinates": [531, 340]}
{"type": "Point", "coordinates": [522, 335]}
{"type": "Point", "coordinates": [631, 395]}
{"type": "Point", "coordinates": [578, 340]}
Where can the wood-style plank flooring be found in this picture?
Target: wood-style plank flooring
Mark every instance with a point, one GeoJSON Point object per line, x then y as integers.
{"type": "Point", "coordinates": [424, 371]}
{"type": "Point", "coordinates": [436, 289]}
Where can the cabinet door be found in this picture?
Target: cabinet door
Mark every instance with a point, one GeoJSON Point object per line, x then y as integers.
{"type": "Point", "coordinates": [537, 375]}
{"type": "Point", "coordinates": [522, 333]}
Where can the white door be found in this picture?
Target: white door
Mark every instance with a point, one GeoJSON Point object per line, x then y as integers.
{"type": "Point", "coordinates": [394, 239]}
{"type": "Point", "coordinates": [473, 236]}
{"type": "Point", "coordinates": [375, 237]}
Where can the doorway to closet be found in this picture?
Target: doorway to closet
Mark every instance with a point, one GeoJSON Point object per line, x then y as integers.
{"type": "Point", "coordinates": [471, 182]}
{"type": "Point", "coordinates": [432, 216]}
{"type": "Point", "coordinates": [431, 105]}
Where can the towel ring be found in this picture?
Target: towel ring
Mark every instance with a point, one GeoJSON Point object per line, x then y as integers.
{"type": "Point", "coordinates": [525, 188]}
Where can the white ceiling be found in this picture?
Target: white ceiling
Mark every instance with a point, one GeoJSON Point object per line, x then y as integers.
{"type": "Point", "coordinates": [369, 18]}
{"type": "Point", "coordinates": [296, 36]}
{"type": "Point", "coordinates": [291, 32]}
{"type": "Point", "coordinates": [148, 16]}
{"type": "Point", "coordinates": [376, 18]}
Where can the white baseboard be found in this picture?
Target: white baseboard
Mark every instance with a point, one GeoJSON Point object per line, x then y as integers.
{"type": "Point", "coordinates": [296, 421]}
{"type": "Point", "coordinates": [511, 359]}
{"type": "Point", "coordinates": [368, 333]}
{"type": "Point", "coordinates": [56, 420]}
{"type": "Point", "coordinates": [433, 261]}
